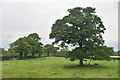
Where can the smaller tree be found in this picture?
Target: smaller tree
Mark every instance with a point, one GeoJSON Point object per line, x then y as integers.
{"type": "Point", "coordinates": [55, 49]}
{"type": "Point", "coordinates": [25, 45]}
{"type": "Point", "coordinates": [34, 41]}
{"type": "Point", "coordinates": [49, 49]}
{"type": "Point", "coordinates": [20, 46]}
{"type": "Point", "coordinates": [39, 49]}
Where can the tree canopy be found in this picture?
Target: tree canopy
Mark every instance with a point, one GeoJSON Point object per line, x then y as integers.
{"type": "Point", "coordinates": [83, 29]}
{"type": "Point", "coordinates": [49, 48]}
{"type": "Point", "coordinates": [36, 45]}
{"type": "Point", "coordinates": [25, 45]}
{"type": "Point", "coordinates": [2, 50]}
{"type": "Point", "coordinates": [20, 46]}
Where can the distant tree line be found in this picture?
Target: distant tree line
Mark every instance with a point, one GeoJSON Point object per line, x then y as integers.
{"type": "Point", "coordinates": [31, 46]}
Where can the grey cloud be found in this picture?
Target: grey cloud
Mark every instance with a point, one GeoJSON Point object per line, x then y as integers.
{"type": "Point", "coordinates": [20, 19]}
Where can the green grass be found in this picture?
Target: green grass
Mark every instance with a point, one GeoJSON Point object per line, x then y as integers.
{"type": "Point", "coordinates": [58, 67]}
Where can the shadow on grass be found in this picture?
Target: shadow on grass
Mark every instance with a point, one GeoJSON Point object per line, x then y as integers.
{"type": "Point", "coordinates": [84, 66]}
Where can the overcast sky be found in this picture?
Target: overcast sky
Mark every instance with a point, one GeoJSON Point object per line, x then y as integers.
{"type": "Point", "coordinates": [21, 17]}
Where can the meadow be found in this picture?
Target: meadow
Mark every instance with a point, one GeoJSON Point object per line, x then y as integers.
{"type": "Point", "coordinates": [58, 67]}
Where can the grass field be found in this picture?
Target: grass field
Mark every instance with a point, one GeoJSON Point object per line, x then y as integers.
{"type": "Point", "coordinates": [58, 67]}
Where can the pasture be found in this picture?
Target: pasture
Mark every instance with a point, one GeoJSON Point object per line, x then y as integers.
{"type": "Point", "coordinates": [58, 67]}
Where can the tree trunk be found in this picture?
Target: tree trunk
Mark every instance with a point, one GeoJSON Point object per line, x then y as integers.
{"type": "Point", "coordinates": [25, 55]}
{"type": "Point", "coordinates": [81, 62]}
{"type": "Point", "coordinates": [39, 55]}
{"type": "Point", "coordinates": [33, 55]}
{"type": "Point", "coordinates": [21, 56]}
{"type": "Point", "coordinates": [48, 54]}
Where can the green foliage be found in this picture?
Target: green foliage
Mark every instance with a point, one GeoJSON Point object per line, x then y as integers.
{"type": "Point", "coordinates": [49, 49]}
{"type": "Point", "coordinates": [103, 53]}
{"type": "Point", "coordinates": [34, 36]}
{"type": "Point", "coordinates": [83, 29]}
{"type": "Point", "coordinates": [20, 46]}
{"type": "Point", "coordinates": [36, 45]}
{"type": "Point", "coordinates": [2, 51]}
{"type": "Point", "coordinates": [55, 50]}
{"type": "Point", "coordinates": [117, 53]}
{"type": "Point", "coordinates": [25, 45]}
{"type": "Point", "coordinates": [98, 53]}
{"type": "Point", "coordinates": [62, 52]}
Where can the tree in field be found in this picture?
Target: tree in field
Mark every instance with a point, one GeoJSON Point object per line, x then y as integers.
{"type": "Point", "coordinates": [36, 45]}
{"type": "Point", "coordinates": [82, 29]}
{"type": "Point", "coordinates": [39, 49]}
{"type": "Point", "coordinates": [20, 46]}
{"type": "Point", "coordinates": [49, 49]}
{"type": "Point", "coordinates": [25, 45]}
{"type": "Point", "coordinates": [55, 49]}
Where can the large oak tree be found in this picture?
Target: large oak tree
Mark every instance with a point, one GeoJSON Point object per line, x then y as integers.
{"type": "Point", "coordinates": [82, 29]}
